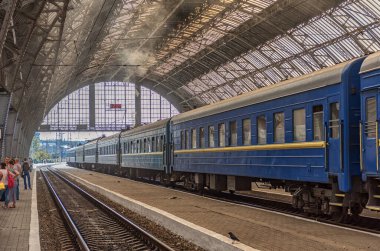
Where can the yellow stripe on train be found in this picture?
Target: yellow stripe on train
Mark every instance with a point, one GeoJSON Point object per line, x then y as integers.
{"type": "Point", "coordinates": [300, 145]}
{"type": "Point", "coordinates": [139, 154]}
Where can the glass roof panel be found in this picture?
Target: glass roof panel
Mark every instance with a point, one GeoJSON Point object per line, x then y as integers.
{"type": "Point", "coordinates": [341, 34]}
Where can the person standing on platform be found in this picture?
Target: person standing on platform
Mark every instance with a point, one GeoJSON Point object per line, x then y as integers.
{"type": "Point", "coordinates": [26, 170]}
{"type": "Point", "coordinates": [12, 176]}
{"type": "Point", "coordinates": [4, 180]}
{"type": "Point", "coordinates": [18, 168]}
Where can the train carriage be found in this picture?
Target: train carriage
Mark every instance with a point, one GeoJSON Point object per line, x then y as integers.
{"type": "Point", "coordinates": [90, 154]}
{"type": "Point", "coordinates": [369, 128]}
{"type": "Point", "coordinates": [299, 134]}
{"type": "Point", "coordinates": [108, 153]}
{"type": "Point", "coordinates": [143, 148]}
{"type": "Point", "coordinates": [79, 156]}
{"type": "Point", "coordinates": [70, 159]}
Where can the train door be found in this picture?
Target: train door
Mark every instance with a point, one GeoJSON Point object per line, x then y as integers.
{"type": "Point", "coordinates": [334, 128]}
{"type": "Point", "coordinates": [369, 132]}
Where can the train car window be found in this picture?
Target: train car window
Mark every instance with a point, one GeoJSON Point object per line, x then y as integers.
{"type": "Point", "coordinates": [162, 142]}
{"type": "Point", "coordinates": [201, 137]}
{"type": "Point", "coordinates": [149, 145]}
{"type": "Point", "coordinates": [153, 144]}
{"type": "Point", "coordinates": [233, 133]}
{"type": "Point", "coordinates": [222, 134]}
{"type": "Point", "coordinates": [318, 132]}
{"type": "Point", "coordinates": [145, 145]}
{"type": "Point", "coordinates": [246, 132]}
{"type": "Point", "coordinates": [193, 138]}
{"type": "Point", "coordinates": [159, 144]}
{"type": "Point", "coordinates": [370, 114]}
{"type": "Point", "coordinates": [211, 139]}
{"type": "Point", "coordinates": [334, 120]}
{"type": "Point", "coordinates": [183, 145]}
{"type": "Point", "coordinates": [299, 125]}
{"type": "Point", "coordinates": [261, 130]}
{"type": "Point", "coordinates": [186, 140]}
{"type": "Point", "coordinates": [279, 127]}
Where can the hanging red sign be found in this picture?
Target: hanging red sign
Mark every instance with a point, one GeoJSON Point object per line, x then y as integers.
{"type": "Point", "coordinates": [115, 106]}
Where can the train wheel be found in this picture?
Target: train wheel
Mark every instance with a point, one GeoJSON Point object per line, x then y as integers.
{"type": "Point", "coordinates": [340, 214]}
{"type": "Point", "coordinates": [356, 209]}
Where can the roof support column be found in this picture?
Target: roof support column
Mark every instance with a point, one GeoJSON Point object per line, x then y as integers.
{"type": "Point", "coordinates": [137, 105]}
{"type": "Point", "coordinates": [16, 135]}
{"type": "Point", "coordinates": [91, 106]}
{"type": "Point", "coordinates": [5, 99]}
{"type": "Point", "coordinates": [20, 144]}
{"type": "Point", "coordinates": [9, 130]}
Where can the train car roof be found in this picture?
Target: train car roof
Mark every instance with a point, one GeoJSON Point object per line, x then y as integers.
{"type": "Point", "coordinates": [145, 128]}
{"type": "Point", "coordinates": [372, 62]}
{"type": "Point", "coordinates": [75, 148]}
{"type": "Point", "coordinates": [108, 138]}
{"type": "Point", "coordinates": [91, 143]}
{"type": "Point", "coordinates": [328, 76]}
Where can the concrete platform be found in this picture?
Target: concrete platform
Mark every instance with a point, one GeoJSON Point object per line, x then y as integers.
{"type": "Point", "coordinates": [256, 228]}
{"type": "Point", "coordinates": [19, 226]}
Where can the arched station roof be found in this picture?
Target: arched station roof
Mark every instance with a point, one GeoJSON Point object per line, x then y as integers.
{"type": "Point", "coordinates": [191, 52]}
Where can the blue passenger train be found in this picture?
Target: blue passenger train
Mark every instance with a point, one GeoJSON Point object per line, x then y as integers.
{"type": "Point", "coordinates": [315, 135]}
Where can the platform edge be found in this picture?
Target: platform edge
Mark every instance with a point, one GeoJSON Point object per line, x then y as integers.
{"type": "Point", "coordinates": [34, 233]}
{"type": "Point", "coordinates": [200, 236]}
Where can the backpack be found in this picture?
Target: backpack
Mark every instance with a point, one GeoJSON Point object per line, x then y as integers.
{"type": "Point", "coordinates": [25, 166]}
{"type": "Point", "coordinates": [11, 181]}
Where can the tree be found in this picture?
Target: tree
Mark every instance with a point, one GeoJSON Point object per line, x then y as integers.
{"type": "Point", "coordinates": [41, 155]}
{"type": "Point", "coordinates": [36, 146]}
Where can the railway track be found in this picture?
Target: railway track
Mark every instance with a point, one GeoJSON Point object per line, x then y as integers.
{"type": "Point", "coordinates": [94, 225]}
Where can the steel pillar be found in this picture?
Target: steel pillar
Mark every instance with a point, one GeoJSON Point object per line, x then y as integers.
{"type": "Point", "coordinates": [91, 105]}
{"type": "Point", "coordinates": [5, 99]}
{"type": "Point", "coordinates": [16, 135]}
{"type": "Point", "coordinates": [9, 130]}
{"type": "Point", "coordinates": [137, 105]}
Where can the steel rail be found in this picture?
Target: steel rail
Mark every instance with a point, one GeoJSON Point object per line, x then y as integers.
{"type": "Point", "coordinates": [144, 235]}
